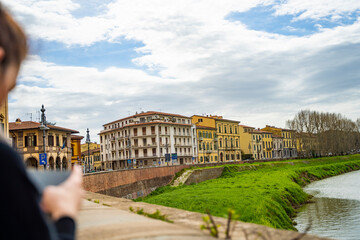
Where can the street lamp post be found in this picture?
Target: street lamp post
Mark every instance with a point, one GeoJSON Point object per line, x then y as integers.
{"type": "Point", "coordinates": [44, 128]}
{"type": "Point", "coordinates": [88, 142]}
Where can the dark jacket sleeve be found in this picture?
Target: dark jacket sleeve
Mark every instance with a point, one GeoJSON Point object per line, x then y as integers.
{"type": "Point", "coordinates": [22, 217]}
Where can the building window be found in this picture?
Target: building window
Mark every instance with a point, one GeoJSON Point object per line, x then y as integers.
{"type": "Point", "coordinates": [31, 141]}
{"type": "Point", "coordinates": [64, 142]}
{"type": "Point", "coordinates": [57, 141]}
{"type": "Point", "coordinates": [200, 120]}
{"type": "Point", "coordinates": [51, 140]}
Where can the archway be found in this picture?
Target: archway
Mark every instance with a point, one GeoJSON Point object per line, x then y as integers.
{"type": "Point", "coordinates": [32, 163]}
{"type": "Point", "coordinates": [58, 164]}
{"type": "Point", "coordinates": [51, 163]}
{"type": "Point", "coordinates": [64, 164]}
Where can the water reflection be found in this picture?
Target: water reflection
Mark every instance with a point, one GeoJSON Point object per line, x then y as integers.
{"type": "Point", "coordinates": [336, 211]}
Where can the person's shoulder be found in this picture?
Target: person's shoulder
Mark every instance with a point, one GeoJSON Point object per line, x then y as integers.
{"type": "Point", "coordinates": [7, 151]}
{"type": "Point", "coordinates": [9, 156]}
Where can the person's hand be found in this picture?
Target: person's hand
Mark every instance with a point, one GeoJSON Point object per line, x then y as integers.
{"type": "Point", "coordinates": [64, 200]}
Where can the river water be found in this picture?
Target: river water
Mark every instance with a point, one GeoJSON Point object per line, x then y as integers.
{"type": "Point", "coordinates": [336, 211]}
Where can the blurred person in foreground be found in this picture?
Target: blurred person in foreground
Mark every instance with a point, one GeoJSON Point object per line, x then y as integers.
{"type": "Point", "coordinates": [25, 212]}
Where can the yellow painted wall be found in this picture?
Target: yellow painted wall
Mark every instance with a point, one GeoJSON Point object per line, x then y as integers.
{"type": "Point", "coordinates": [4, 118]}
{"type": "Point", "coordinates": [207, 145]}
{"type": "Point", "coordinates": [84, 146]}
{"type": "Point", "coordinates": [227, 131]}
{"type": "Point", "coordinates": [267, 145]}
{"type": "Point", "coordinates": [94, 161]}
{"type": "Point", "coordinates": [53, 152]}
{"type": "Point", "coordinates": [256, 145]}
{"type": "Point", "coordinates": [245, 139]}
{"type": "Point", "coordinates": [76, 151]}
{"type": "Point", "coordinates": [203, 121]}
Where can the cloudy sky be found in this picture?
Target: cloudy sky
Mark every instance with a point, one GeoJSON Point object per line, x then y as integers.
{"type": "Point", "coordinates": [259, 61]}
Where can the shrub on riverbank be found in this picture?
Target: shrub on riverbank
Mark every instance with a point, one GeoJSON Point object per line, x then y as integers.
{"type": "Point", "coordinates": [266, 194]}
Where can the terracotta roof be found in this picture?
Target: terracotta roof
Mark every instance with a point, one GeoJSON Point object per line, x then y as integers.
{"type": "Point", "coordinates": [146, 114]}
{"type": "Point", "coordinates": [284, 129]}
{"type": "Point", "coordinates": [91, 151]}
{"type": "Point", "coordinates": [211, 116]}
{"type": "Point", "coordinates": [146, 123]}
{"type": "Point", "coordinates": [217, 118]}
{"type": "Point", "coordinates": [244, 126]}
{"type": "Point", "coordinates": [13, 126]}
{"type": "Point", "coordinates": [76, 137]}
{"type": "Point", "coordinates": [227, 120]}
{"type": "Point", "coordinates": [204, 127]}
{"type": "Point", "coordinates": [276, 136]}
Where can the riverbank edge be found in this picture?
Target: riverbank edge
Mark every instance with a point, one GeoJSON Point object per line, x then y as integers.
{"type": "Point", "coordinates": [305, 178]}
{"type": "Point", "coordinates": [290, 201]}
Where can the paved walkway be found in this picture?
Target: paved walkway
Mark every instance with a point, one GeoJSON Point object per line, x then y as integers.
{"type": "Point", "coordinates": [101, 222]}
{"type": "Point", "coordinates": [112, 219]}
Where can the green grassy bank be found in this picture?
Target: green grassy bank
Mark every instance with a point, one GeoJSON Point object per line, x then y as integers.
{"type": "Point", "coordinates": [262, 193]}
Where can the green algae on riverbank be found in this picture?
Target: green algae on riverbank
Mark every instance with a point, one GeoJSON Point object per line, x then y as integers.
{"type": "Point", "coordinates": [267, 194]}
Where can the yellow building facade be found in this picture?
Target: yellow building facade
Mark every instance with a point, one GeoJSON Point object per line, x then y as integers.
{"type": "Point", "coordinates": [245, 141]}
{"type": "Point", "coordinates": [76, 150]}
{"type": "Point", "coordinates": [289, 140]}
{"type": "Point", "coordinates": [4, 119]}
{"type": "Point", "coordinates": [307, 145]}
{"type": "Point", "coordinates": [267, 142]}
{"type": "Point", "coordinates": [91, 160]}
{"type": "Point", "coordinates": [84, 146]}
{"type": "Point", "coordinates": [256, 144]}
{"type": "Point", "coordinates": [228, 138]}
{"type": "Point", "coordinates": [207, 144]}
{"type": "Point", "coordinates": [27, 139]}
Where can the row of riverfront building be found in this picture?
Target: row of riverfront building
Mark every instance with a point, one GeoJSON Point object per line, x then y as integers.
{"type": "Point", "coordinates": [156, 139]}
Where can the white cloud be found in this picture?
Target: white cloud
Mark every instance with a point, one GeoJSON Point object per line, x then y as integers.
{"type": "Point", "coordinates": [318, 9]}
{"type": "Point", "coordinates": [204, 62]}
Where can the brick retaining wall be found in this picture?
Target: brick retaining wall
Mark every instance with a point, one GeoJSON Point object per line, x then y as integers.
{"type": "Point", "coordinates": [121, 182]}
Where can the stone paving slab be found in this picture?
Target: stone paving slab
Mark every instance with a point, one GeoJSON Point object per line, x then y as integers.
{"type": "Point", "coordinates": [117, 222]}
{"type": "Point", "coordinates": [96, 221]}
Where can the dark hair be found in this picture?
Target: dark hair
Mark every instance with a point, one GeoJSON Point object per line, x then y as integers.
{"type": "Point", "coordinates": [12, 39]}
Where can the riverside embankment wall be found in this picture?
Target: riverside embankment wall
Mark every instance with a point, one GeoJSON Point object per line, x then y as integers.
{"type": "Point", "coordinates": [134, 183]}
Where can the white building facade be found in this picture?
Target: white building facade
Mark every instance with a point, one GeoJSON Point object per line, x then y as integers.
{"type": "Point", "coordinates": [147, 139]}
